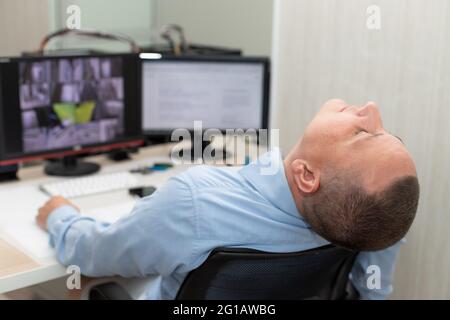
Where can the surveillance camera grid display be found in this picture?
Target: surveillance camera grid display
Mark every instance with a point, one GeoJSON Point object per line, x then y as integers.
{"type": "Point", "coordinates": [71, 101]}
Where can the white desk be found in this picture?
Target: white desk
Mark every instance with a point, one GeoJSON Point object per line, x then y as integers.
{"type": "Point", "coordinates": [20, 200]}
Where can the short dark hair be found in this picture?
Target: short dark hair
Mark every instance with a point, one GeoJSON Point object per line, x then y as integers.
{"type": "Point", "coordinates": [342, 212]}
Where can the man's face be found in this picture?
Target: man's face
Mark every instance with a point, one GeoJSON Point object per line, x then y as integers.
{"type": "Point", "coordinates": [342, 136]}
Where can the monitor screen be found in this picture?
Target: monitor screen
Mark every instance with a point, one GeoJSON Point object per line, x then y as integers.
{"type": "Point", "coordinates": [222, 94]}
{"type": "Point", "coordinates": [68, 102]}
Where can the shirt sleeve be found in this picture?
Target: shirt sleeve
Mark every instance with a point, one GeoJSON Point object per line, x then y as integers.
{"type": "Point", "coordinates": [372, 273]}
{"type": "Point", "coordinates": [157, 237]}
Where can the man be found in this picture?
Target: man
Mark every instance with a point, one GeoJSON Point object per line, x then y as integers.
{"type": "Point", "coordinates": [348, 181]}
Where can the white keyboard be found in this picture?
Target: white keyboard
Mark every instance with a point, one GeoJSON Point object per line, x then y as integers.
{"type": "Point", "coordinates": [84, 186]}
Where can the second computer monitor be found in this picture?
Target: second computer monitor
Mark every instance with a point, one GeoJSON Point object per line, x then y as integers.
{"type": "Point", "coordinates": [222, 93]}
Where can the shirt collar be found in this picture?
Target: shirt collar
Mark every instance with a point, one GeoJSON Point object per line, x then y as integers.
{"type": "Point", "coordinates": [267, 175]}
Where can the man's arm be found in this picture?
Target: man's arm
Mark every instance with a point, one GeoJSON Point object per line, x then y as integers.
{"type": "Point", "coordinates": [371, 265]}
{"type": "Point", "coordinates": [156, 238]}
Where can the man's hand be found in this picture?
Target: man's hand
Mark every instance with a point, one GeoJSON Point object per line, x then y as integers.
{"type": "Point", "coordinates": [49, 207]}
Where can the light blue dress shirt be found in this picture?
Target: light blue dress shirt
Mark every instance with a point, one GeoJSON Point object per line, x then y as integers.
{"type": "Point", "coordinates": [172, 232]}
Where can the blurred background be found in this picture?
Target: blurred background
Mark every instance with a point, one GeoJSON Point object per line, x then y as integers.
{"type": "Point", "coordinates": [238, 24]}
{"type": "Point", "coordinates": [320, 49]}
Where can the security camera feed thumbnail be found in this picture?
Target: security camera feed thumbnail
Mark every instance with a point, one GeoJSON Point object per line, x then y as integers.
{"type": "Point", "coordinates": [71, 101]}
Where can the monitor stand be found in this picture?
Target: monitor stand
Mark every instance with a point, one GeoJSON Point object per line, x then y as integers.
{"type": "Point", "coordinates": [8, 173]}
{"type": "Point", "coordinates": [70, 166]}
{"type": "Point", "coordinates": [119, 155]}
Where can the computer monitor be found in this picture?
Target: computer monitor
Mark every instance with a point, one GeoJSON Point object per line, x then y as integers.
{"type": "Point", "coordinates": [58, 107]}
{"type": "Point", "coordinates": [221, 92]}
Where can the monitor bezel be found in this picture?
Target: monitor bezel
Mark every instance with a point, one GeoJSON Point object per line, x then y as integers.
{"type": "Point", "coordinates": [131, 141]}
{"type": "Point", "coordinates": [265, 61]}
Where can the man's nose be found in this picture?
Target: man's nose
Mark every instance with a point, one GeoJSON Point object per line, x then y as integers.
{"type": "Point", "coordinates": [371, 111]}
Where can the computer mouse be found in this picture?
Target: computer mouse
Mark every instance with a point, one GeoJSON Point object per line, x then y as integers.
{"type": "Point", "coordinates": [142, 191]}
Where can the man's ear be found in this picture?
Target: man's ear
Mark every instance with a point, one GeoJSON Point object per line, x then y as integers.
{"type": "Point", "coordinates": [307, 179]}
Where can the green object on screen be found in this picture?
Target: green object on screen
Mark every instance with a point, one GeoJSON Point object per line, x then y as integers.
{"type": "Point", "coordinates": [65, 111]}
{"type": "Point", "coordinates": [84, 111]}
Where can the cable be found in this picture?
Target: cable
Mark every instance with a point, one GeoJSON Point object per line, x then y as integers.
{"type": "Point", "coordinates": [88, 33]}
{"type": "Point", "coordinates": [182, 46]}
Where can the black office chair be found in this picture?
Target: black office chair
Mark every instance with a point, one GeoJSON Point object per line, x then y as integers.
{"type": "Point", "coordinates": [235, 274]}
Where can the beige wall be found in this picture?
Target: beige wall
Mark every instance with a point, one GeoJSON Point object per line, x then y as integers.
{"type": "Point", "coordinates": [131, 18]}
{"type": "Point", "coordinates": [23, 23]}
{"type": "Point", "coordinates": [323, 50]}
{"type": "Point", "coordinates": [245, 24]}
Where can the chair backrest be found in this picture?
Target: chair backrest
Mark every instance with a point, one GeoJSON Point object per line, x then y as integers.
{"type": "Point", "coordinates": [236, 274]}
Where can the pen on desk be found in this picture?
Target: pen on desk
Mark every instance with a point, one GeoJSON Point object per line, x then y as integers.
{"type": "Point", "coordinates": [150, 169]}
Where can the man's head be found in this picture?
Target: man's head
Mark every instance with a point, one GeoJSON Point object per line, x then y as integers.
{"type": "Point", "coordinates": [354, 183]}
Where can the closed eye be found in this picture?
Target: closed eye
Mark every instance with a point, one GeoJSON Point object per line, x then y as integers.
{"type": "Point", "coordinates": [400, 139]}
{"type": "Point", "coordinates": [360, 131]}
